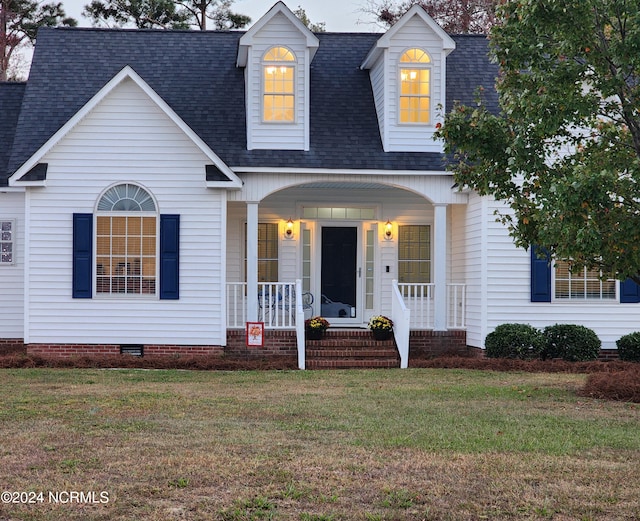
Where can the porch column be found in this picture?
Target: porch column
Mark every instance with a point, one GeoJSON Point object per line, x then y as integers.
{"type": "Point", "coordinates": [252, 262]}
{"type": "Point", "coordinates": [440, 267]}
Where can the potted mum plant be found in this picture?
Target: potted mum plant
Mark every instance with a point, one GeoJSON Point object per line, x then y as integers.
{"type": "Point", "coordinates": [315, 327]}
{"type": "Point", "coordinates": [381, 327]}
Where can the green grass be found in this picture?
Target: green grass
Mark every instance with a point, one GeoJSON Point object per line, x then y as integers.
{"type": "Point", "coordinates": [340, 445]}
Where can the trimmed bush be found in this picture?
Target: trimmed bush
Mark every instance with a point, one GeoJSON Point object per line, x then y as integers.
{"type": "Point", "coordinates": [570, 342]}
{"type": "Point", "coordinates": [629, 347]}
{"type": "Point", "coordinates": [520, 341]}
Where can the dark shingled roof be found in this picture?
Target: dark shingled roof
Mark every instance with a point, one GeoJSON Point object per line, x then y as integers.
{"type": "Point", "coordinates": [195, 73]}
{"type": "Point", "coordinates": [10, 101]}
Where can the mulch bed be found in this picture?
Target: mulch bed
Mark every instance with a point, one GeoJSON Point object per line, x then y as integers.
{"type": "Point", "coordinates": [612, 380]}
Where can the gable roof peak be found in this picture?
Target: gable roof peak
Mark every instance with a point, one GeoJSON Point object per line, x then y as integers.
{"type": "Point", "coordinates": [126, 73]}
{"type": "Point", "coordinates": [280, 7]}
{"type": "Point", "coordinates": [416, 10]}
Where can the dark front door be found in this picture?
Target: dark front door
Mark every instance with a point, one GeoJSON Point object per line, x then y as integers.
{"type": "Point", "coordinates": [338, 277]}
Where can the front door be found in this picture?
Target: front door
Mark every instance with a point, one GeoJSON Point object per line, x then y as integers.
{"type": "Point", "coordinates": [339, 275]}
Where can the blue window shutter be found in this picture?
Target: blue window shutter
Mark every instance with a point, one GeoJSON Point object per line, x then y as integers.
{"type": "Point", "coordinates": [540, 276]}
{"type": "Point", "coordinates": [169, 257]}
{"type": "Point", "coordinates": [82, 255]}
{"type": "Point", "coordinates": [629, 292]}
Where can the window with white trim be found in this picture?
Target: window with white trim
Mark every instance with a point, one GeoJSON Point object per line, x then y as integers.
{"type": "Point", "coordinates": [415, 87]}
{"type": "Point", "coordinates": [414, 253]}
{"type": "Point", "coordinates": [278, 85]}
{"type": "Point", "coordinates": [7, 241]}
{"type": "Point", "coordinates": [268, 239]}
{"type": "Point", "coordinates": [582, 285]}
{"type": "Point", "coordinates": [126, 242]}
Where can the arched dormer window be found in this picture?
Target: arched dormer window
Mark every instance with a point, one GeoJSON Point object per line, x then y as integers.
{"type": "Point", "coordinates": [278, 84]}
{"type": "Point", "coordinates": [126, 242]}
{"type": "Point", "coordinates": [415, 87]}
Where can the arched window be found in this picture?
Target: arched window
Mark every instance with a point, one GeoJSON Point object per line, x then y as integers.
{"type": "Point", "coordinates": [415, 87]}
{"type": "Point", "coordinates": [126, 241]}
{"type": "Point", "coordinates": [278, 82]}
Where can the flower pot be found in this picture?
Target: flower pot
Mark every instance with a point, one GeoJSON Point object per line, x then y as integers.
{"type": "Point", "coordinates": [315, 334]}
{"type": "Point", "coordinates": [382, 334]}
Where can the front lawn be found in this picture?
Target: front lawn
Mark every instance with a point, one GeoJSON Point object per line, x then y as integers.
{"type": "Point", "coordinates": [354, 445]}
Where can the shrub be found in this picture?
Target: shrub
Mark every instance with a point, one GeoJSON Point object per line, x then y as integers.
{"type": "Point", "coordinates": [514, 341]}
{"type": "Point", "coordinates": [570, 342]}
{"type": "Point", "coordinates": [629, 347]}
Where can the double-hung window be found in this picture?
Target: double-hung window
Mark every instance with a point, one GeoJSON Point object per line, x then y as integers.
{"type": "Point", "coordinates": [267, 252]}
{"type": "Point", "coordinates": [414, 254]}
{"type": "Point", "coordinates": [278, 84]}
{"type": "Point", "coordinates": [583, 284]}
{"type": "Point", "coordinates": [415, 87]}
{"type": "Point", "coordinates": [126, 242]}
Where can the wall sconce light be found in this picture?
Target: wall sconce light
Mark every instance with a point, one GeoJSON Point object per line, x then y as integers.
{"type": "Point", "coordinates": [288, 231]}
{"type": "Point", "coordinates": [388, 228]}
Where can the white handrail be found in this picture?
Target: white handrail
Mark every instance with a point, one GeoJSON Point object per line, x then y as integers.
{"type": "Point", "coordinates": [300, 340]}
{"type": "Point", "coordinates": [401, 316]}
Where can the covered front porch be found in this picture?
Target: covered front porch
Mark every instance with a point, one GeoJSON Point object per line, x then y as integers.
{"type": "Point", "coordinates": [346, 250]}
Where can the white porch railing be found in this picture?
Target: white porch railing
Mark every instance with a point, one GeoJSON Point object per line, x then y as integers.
{"type": "Point", "coordinates": [276, 304]}
{"type": "Point", "coordinates": [418, 299]}
{"type": "Point", "coordinates": [456, 306]}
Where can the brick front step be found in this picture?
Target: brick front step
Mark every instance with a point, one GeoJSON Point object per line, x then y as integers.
{"type": "Point", "coordinates": [350, 363]}
{"type": "Point", "coordinates": [351, 349]}
{"type": "Point", "coordinates": [348, 352]}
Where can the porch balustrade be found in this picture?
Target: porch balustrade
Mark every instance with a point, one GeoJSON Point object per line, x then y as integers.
{"type": "Point", "coordinates": [276, 305]}
{"type": "Point", "coordinates": [419, 300]}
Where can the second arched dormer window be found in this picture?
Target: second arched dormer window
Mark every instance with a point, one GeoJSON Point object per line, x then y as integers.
{"type": "Point", "coordinates": [415, 87]}
{"type": "Point", "coordinates": [278, 84]}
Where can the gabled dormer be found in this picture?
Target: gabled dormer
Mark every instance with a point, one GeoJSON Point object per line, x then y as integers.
{"type": "Point", "coordinates": [276, 53]}
{"type": "Point", "coordinates": [407, 66]}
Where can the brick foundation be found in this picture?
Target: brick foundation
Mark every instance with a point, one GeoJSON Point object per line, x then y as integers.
{"type": "Point", "coordinates": [69, 350]}
{"type": "Point", "coordinates": [11, 345]}
{"type": "Point", "coordinates": [430, 344]}
{"type": "Point", "coordinates": [276, 343]}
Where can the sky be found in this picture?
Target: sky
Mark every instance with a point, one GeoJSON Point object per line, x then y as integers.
{"type": "Point", "coordinates": [338, 15]}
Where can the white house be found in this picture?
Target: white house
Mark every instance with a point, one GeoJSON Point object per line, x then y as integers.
{"type": "Point", "coordinates": [160, 189]}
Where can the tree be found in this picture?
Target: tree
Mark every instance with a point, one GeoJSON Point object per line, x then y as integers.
{"type": "Point", "coordinates": [319, 27]}
{"type": "Point", "coordinates": [165, 14]}
{"type": "Point", "coordinates": [564, 150]}
{"type": "Point", "coordinates": [144, 14]}
{"type": "Point", "coordinates": [19, 23]}
{"type": "Point", "coordinates": [454, 16]}
{"type": "Point", "coordinates": [218, 11]}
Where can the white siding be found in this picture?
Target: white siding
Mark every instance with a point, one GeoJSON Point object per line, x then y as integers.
{"type": "Point", "coordinates": [509, 300]}
{"type": "Point", "coordinates": [471, 224]}
{"type": "Point", "coordinates": [399, 137]}
{"type": "Point", "coordinates": [12, 276]}
{"type": "Point", "coordinates": [127, 138]}
{"type": "Point", "coordinates": [279, 31]}
{"type": "Point", "coordinates": [378, 86]}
